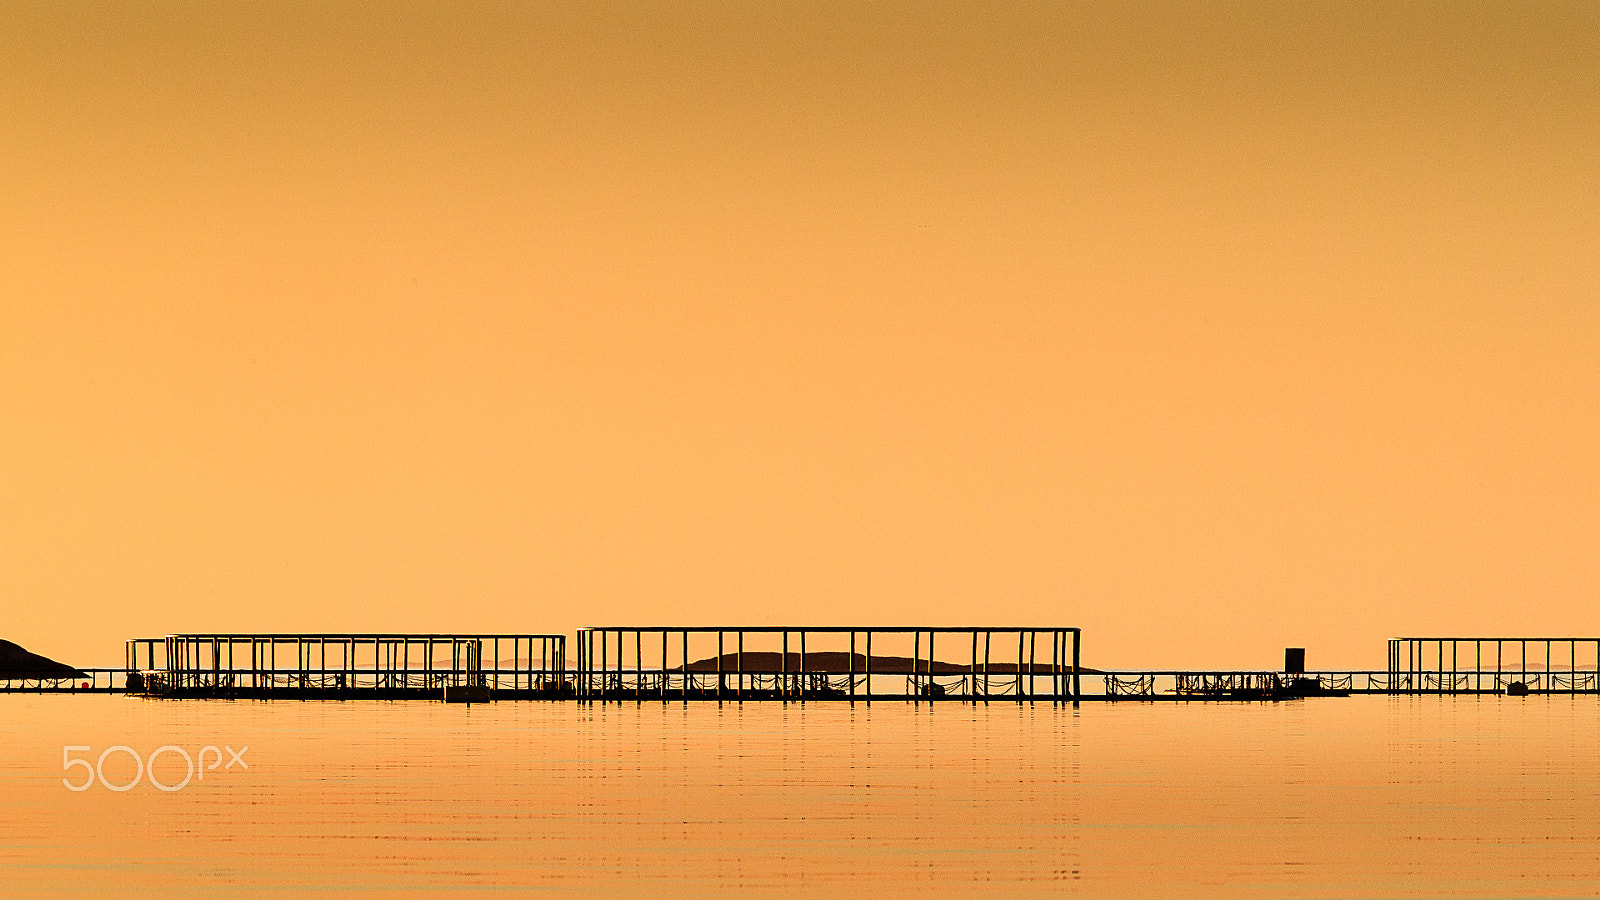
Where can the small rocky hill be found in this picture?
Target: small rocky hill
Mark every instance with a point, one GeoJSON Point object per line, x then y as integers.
{"type": "Point", "coordinates": [16, 662]}
{"type": "Point", "coordinates": [838, 663]}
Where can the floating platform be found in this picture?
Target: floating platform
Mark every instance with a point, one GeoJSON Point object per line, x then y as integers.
{"type": "Point", "coordinates": [778, 663]}
{"type": "Point", "coordinates": [350, 666]}
{"type": "Point", "coordinates": [848, 663]}
{"type": "Point", "coordinates": [87, 681]}
{"type": "Point", "coordinates": [1518, 666]}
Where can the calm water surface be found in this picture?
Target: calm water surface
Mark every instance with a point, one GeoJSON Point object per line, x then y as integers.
{"type": "Point", "coordinates": [1359, 797]}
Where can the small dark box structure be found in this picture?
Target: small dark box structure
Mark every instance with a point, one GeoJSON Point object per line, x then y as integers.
{"type": "Point", "coordinates": [1294, 660]}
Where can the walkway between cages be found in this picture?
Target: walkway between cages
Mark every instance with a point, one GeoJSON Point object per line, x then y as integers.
{"type": "Point", "coordinates": [1112, 685]}
{"type": "Point", "coordinates": [783, 664]}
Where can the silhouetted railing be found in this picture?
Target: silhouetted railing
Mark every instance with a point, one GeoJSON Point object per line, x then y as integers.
{"type": "Point", "coordinates": [1545, 665]}
{"type": "Point", "coordinates": [92, 681]}
{"type": "Point", "coordinates": [347, 665]}
{"type": "Point", "coordinates": [1132, 684]}
{"type": "Point", "coordinates": [827, 663]}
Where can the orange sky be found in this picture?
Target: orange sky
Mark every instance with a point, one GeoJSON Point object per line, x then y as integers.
{"type": "Point", "coordinates": [1212, 328]}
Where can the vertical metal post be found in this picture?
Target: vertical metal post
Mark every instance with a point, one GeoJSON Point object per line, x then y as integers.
{"type": "Point", "coordinates": [972, 670]}
{"type": "Point", "coordinates": [916, 660]}
{"type": "Point", "coordinates": [1020, 636]}
{"type": "Point", "coordinates": [988, 642]}
{"type": "Point", "coordinates": [1055, 665]}
{"type": "Point", "coordinates": [1033, 655]}
{"type": "Point", "coordinates": [850, 667]}
{"type": "Point", "coordinates": [867, 664]}
{"type": "Point", "coordinates": [1076, 685]}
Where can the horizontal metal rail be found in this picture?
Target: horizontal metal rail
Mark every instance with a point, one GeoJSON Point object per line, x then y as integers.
{"type": "Point", "coordinates": [92, 681]}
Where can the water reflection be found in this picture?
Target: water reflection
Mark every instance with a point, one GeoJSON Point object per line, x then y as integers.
{"type": "Point", "coordinates": [1410, 796]}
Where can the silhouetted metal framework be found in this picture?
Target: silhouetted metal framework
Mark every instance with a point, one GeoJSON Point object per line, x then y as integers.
{"type": "Point", "coordinates": [827, 663]}
{"type": "Point", "coordinates": [385, 666]}
{"type": "Point", "coordinates": [1463, 665]}
{"type": "Point", "coordinates": [92, 681]}
{"type": "Point", "coordinates": [1201, 684]}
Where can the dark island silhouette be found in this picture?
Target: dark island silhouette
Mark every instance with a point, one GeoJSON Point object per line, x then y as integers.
{"type": "Point", "coordinates": [15, 662]}
{"type": "Point", "coordinates": [840, 663]}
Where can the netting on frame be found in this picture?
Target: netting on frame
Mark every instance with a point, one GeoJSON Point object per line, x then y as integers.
{"type": "Point", "coordinates": [1223, 682]}
{"type": "Point", "coordinates": [23, 682]}
{"type": "Point", "coordinates": [939, 686]}
{"type": "Point", "coordinates": [1534, 681]}
{"type": "Point", "coordinates": [1130, 686]}
{"type": "Point", "coordinates": [1449, 681]}
{"type": "Point", "coordinates": [1572, 681]}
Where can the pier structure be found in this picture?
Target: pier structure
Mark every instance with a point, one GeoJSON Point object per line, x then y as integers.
{"type": "Point", "coordinates": [349, 666]}
{"type": "Point", "coordinates": [1232, 684]}
{"type": "Point", "coordinates": [784, 663]}
{"type": "Point", "coordinates": [91, 681]}
{"type": "Point", "coordinates": [1493, 665]}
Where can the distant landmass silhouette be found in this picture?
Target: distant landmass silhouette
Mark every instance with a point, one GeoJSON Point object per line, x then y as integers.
{"type": "Point", "coordinates": [839, 663]}
{"type": "Point", "coordinates": [16, 662]}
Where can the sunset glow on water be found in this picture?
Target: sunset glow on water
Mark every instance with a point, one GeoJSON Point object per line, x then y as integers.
{"type": "Point", "coordinates": [1232, 338]}
{"type": "Point", "coordinates": [1360, 797]}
